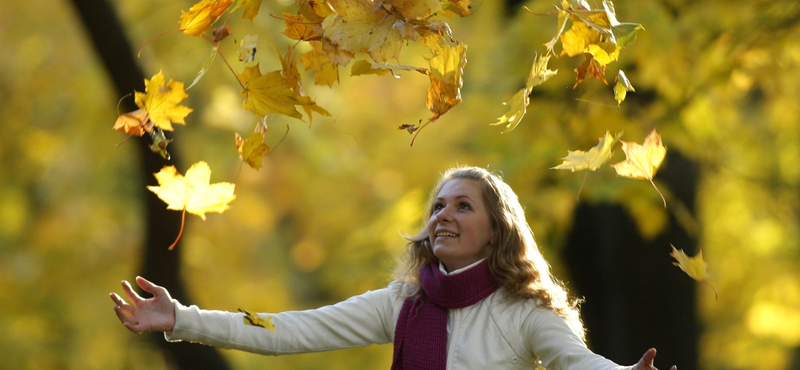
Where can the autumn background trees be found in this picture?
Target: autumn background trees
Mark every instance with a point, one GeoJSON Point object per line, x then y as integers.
{"type": "Point", "coordinates": [321, 219]}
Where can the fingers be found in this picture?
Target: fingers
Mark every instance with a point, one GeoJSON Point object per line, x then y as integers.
{"type": "Point", "coordinates": [149, 287]}
{"type": "Point", "coordinates": [649, 357]}
{"type": "Point", "coordinates": [133, 297]}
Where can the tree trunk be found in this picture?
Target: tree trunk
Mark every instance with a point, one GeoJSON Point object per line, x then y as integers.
{"type": "Point", "coordinates": [161, 225]}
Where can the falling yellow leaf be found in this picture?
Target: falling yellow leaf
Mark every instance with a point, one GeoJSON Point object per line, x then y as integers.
{"type": "Point", "coordinates": [250, 7]}
{"type": "Point", "coordinates": [458, 7]}
{"type": "Point", "coordinates": [192, 193]}
{"type": "Point", "coordinates": [254, 319]}
{"type": "Point", "coordinates": [161, 102]}
{"type": "Point", "coordinates": [300, 28]}
{"type": "Point", "coordinates": [202, 15]}
{"type": "Point", "coordinates": [326, 71]}
{"type": "Point", "coordinates": [577, 160]}
{"type": "Point", "coordinates": [621, 87]}
{"type": "Point", "coordinates": [642, 161]}
{"type": "Point", "coordinates": [252, 150]}
{"type": "Point", "coordinates": [446, 71]}
{"type": "Point", "coordinates": [695, 266]}
{"type": "Point", "coordinates": [518, 104]}
{"type": "Point", "coordinates": [363, 67]}
{"type": "Point", "coordinates": [268, 93]}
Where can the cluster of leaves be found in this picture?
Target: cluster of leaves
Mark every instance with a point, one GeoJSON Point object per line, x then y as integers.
{"type": "Point", "coordinates": [341, 31]}
{"type": "Point", "coordinates": [596, 34]}
{"type": "Point", "coordinates": [642, 161]}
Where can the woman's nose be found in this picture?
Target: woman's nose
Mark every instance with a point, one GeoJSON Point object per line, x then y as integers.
{"type": "Point", "coordinates": [444, 215]}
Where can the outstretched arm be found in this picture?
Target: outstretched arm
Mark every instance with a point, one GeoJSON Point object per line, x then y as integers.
{"type": "Point", "coordinates": [646, 363]}
{"type": "Point", "coordinates": [145, 314]}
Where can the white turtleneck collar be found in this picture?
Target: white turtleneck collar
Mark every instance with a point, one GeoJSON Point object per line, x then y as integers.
{"type": "Point", "coordinates": [458, 271]}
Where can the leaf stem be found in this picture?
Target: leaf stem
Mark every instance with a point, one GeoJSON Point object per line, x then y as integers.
{"type": "Point", "coordinates": [659, 193]}
{"type": "Point", "coordinates": [221, 55]}
{"type": "Point", "coordinates": [183, 221]}
{"type": "Point", "coordinates": [139, 53]}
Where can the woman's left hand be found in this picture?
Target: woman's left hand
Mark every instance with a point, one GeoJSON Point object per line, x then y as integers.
{"type": "Point", "coordinates": [646, 363]}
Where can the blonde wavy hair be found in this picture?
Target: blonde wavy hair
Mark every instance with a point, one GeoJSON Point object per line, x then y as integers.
{"type": "Point", "coordinates": [514, 259]}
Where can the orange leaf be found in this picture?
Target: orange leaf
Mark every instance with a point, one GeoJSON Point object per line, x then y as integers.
{"type": "Point", "coordinates": [160, 101]}
{"type": "Point", "coordinates": [133, 123]}
{"type": "Point", "coordinates": [202, 15]}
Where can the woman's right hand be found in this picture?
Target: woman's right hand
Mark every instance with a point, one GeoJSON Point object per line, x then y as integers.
{"type": "Point", "coordinates": [145, 314]}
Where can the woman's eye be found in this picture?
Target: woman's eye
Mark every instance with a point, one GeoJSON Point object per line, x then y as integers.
{"type": "Point", "coordinates": [437, 208]}
{"type": "Point", "coordinates": [464, 206]}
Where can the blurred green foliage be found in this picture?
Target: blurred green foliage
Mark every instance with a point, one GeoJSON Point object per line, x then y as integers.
{"type": "Point", "coordinates": [323, 219]}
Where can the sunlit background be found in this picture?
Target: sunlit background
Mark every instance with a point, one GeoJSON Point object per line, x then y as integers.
{"type": "Point", "coordinates": [324, 218]}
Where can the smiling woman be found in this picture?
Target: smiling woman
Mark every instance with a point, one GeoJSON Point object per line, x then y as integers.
{"type": "Point", "coordinates": [474, 293]}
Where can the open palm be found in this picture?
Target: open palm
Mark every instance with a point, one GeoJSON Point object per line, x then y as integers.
{"type": "Point", "coordinates": [145, 314]}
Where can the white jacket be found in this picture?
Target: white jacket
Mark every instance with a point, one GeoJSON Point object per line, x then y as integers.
{"type": "Point", "coordinates": [495, 333]}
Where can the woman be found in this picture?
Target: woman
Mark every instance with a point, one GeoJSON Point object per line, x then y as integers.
{"type": "Point", "coordinates": [474, 293]}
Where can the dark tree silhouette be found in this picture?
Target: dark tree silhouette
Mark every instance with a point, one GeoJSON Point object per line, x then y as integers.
{"type": "Point", "coordinates": [106, 33]}
{"type": "Point", "coordinates": [635, 297]}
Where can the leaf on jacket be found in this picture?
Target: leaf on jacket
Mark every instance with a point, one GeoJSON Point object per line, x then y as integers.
{"type": "Point", "coordinates": [254, 319]}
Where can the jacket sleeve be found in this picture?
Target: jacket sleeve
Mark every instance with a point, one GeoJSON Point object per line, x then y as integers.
{"type": "Point", "coordinates": [359, 321]}
{"type": "Point", "coordinates": [552, 341]}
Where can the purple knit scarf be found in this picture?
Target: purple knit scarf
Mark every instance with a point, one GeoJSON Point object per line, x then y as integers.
{"type": "Point", "coordinates": [420, 337]}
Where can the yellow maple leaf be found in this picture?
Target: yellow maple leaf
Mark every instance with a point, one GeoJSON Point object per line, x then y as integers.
{"type": "Point", "coordinates": [250, 7]}
{"type": "Point", "coordinates": [642, 161]}
{"type": "Point", "coordinates": [254, 319]}
{"type": "Point", "coordinates": [577, 160]}
{"type": "Point", "coordinates": [377, 29]}
{"type": "Point", "coordinates": [202, 15]}
{"type": "Point", "coordinates": [161, 102]}
{"type": "Point", "coordinates": [695, 266]}
{"type": "Point", "coordinates": [446, 72]}
{"type": "Point", "coordinates": [364, 67]}
{"type": "Point", "coordinates": [326, 71]}
{"type": "Point", "coordinates": [459, 7]}
{"type": "Point", "coordinates": [518, 104]}
{"type": "Point", "coordinates": [300, 28]}
{"type": "Point", "coordinates": [192, 193]}
{"type": "Point", "coordinates": [268, 93]}
{"type": "Point", "coordinates": [252, 150]}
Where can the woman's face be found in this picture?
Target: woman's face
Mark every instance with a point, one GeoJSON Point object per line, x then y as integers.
{"type": "Point", "coordinates": [459, 228]}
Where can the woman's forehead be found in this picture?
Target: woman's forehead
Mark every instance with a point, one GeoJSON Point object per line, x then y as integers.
{"type": "Point", "coordinates": [459, 187]}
